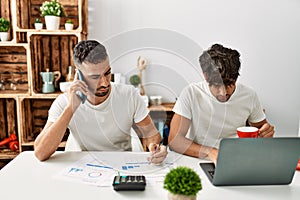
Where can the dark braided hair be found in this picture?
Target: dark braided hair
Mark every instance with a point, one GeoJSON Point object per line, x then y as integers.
{"type": "Point", "coordinates": [89, 51]}
{"type": "Point", "coordinates": [221, 65]}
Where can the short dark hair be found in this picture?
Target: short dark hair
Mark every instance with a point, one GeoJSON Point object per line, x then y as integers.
{"type": "Point", "coordinates": [221, 65]}
{"type": "Point", "coordinates": [89, 51]}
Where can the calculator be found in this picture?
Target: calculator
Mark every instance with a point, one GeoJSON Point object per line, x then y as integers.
{"type": "Point", "coordinates": [129, 182]}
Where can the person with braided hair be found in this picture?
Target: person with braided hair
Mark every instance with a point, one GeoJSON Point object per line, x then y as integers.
{"type": "Point", "coordinates": [208, 111]}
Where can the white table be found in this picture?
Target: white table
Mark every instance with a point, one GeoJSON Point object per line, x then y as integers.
{"type": "Point", "coordinates": [27, 178]}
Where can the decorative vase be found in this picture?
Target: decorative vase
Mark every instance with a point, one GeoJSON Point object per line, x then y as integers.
{"type": "Point", "coordinates": [180, 197]}
{"type": "Point", "coordinates": [52, 22]}
{"type": "Point", "coordinates": [38, 26]}
{"type": "Point", "coordinates": [69, 27]}
{"type": "Point", "coordinates": [4, 36]}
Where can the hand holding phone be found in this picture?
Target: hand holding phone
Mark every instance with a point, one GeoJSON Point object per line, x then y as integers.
{"type": "Point", "coordinates": [79, 93]}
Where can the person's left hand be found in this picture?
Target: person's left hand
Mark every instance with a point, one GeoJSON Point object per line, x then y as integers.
{"type": "Point", "coordinates": [213, 155]}
{"type": "Point", "coordinates": [266, 130]}
{"type": "Point", "coordinates": [158, 153]}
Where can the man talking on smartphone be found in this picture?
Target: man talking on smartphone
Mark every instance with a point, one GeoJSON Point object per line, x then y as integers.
{"type": "Point", "coordinates": [103, 122]}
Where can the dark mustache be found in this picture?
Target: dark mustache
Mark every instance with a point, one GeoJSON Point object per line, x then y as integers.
{"type": "Point", "coordinates": [103, 87]}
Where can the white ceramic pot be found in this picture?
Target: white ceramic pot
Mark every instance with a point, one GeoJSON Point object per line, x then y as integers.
{"type": "Point", "coordinates": [4, 36]}
{"type": "Point", "coordinates": [69, 27]}
{"type": "Point", "coordinates": [52, 22]}
{"type": "Point", "coordinates": [38, 26]}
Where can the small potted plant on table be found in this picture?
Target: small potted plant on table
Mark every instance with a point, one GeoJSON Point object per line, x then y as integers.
{"type": "Point", "coordinates": [4, 27]}
{"type": "Point", "coordinates": [182, 183]}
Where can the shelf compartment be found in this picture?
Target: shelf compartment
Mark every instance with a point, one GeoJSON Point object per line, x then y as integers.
{"type": "Point", "coordinates": [29, 10]}
{"type": "Point", "coordinates": [47, 54]}
{"type": "Point", "coordinates": [13, 70]}
{"type": "Point", "coordinates": [6, 12]}
{"type": "Point", "coordinates": [163, 107]}
{"type": "Point", "coordinates": [8, 117]}
{"type": "Point", "coordinates": [8, 125]}
{"type": "Point", "coordinates": [7, 154]}
{"type": "Point", "coordinates": [34, 116]}
{"type": "Point", "coordinates": [34, 113]}
{"type": "Point", "coordinates": [21, 37]}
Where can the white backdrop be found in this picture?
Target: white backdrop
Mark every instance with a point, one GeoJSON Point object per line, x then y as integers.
{"type": "Point", "coordinates": [266, 33]}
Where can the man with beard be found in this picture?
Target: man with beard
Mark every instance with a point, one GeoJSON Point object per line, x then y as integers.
{"type": "Point", "coordinates": [208, 111]}
{"type": "Point", "coordinates": [104, 121]}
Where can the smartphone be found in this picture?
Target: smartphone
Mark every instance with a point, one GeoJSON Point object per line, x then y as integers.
{"type": "Point", "coordinates": [80, 94]}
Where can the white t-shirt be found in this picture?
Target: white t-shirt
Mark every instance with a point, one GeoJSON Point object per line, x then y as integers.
{"type": "Point", "coordinates": [212, 120]}
{"type": "Point", "coordinates": [105, 126]}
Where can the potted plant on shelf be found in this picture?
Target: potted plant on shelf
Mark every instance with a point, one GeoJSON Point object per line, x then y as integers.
{"type": "Point", "coordinates": [4, 27]}
{"type": "Point", "coordinates": [52, 11]}
{"type": "Point", "coordinates": [135, 80]}
{"type": "Point", "coordinates": [69, 25]}
{"type": "Point", "coordinates": [38, 25]}
{"type": "Point", "coordinates": [182, 183]}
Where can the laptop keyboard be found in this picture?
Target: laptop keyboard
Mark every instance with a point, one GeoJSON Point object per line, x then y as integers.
{"type": "Point", "coordinates": [211, 173]}
{"type": "Point", "coordinates": [209, 169]}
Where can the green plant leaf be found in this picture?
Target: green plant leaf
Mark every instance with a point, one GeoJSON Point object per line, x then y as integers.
{"type": "Point", "coordinates": [183, 180]}
{"type": "Point", "coordinates": [53, 8]}
{"type": "Point", "coordinates": [4, 25]}
{"type": "Point", "coordinates": [135, 80]}
{"type": "Point", "coordinates": [69, 21]}
{"type": "Point", "coordinates": [38, 20]}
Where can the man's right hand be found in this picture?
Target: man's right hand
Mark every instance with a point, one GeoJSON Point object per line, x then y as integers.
{"type": "Point", "coordinates": [74, 99]}
{"type": "Point", "coordinates": [158, 153]}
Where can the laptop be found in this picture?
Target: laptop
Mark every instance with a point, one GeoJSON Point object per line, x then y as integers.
{"type": "Point", "coordinates": [254, 161]}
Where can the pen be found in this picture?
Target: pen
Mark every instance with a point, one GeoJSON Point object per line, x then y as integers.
{"type": "Point", "coordinates": [157, 148]}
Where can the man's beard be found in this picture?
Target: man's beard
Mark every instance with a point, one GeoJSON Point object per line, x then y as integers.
{"type": "Point", "coordinates": [102, 94]}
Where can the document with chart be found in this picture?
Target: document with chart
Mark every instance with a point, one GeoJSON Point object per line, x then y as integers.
{"type": "Point", "coordinates": [100, 168]}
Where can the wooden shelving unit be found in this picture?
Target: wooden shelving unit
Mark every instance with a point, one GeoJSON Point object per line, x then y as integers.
{"type": "Point", "coordinates": [24, 111]}
{"type": "Point", "coordinates": [167, 107]}
{"type": "Point", "coordinates": [23, 107]}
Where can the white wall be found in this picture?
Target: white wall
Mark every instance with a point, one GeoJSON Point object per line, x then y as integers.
{"type": "Point", "coordinates": [266, 33]}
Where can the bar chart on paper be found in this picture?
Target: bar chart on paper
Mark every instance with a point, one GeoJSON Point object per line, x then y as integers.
{"type": "Point", "coordinates": [99, 169]}
{"type": "Point", "coordinates": [134, 162]}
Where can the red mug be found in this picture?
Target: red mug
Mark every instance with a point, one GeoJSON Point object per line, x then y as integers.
{"type": "Point", "coordinates": [247, 132]}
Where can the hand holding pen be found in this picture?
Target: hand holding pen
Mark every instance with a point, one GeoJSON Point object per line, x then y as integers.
{"type": "Point", "coordinates": [158, 153]}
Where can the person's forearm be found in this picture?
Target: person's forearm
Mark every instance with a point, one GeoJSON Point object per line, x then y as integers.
{"type": "Point", "coordinates": [148, 132]}
{"type": "Point", "coordinates": [185, 146]}
{"type": "Point", "coordinates": [49, 139]}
